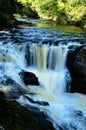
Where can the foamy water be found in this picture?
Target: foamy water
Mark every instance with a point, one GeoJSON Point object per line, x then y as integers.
{"type": "Point", "coordinates": [48, 62]}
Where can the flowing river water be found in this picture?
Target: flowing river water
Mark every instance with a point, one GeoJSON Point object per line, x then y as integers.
{"type": "Point", "coordinates": [43, 51]}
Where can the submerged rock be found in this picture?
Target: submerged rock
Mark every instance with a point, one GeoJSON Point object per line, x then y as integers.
{"type": "Point", "coordinates": [10, 89]}
{"type": "Point", "coordinates": [77, 67]}
{"type": "Point", "coordinates": [43, 103]}
{"type": "Point", "coordinates": [29, 78]}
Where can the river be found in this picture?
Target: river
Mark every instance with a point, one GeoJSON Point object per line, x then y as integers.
{"type": "Point", "coordinates": [41, 48]}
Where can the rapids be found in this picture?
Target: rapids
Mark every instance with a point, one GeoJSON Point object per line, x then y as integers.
{"type": "Point", "coordinates": [43, 51]}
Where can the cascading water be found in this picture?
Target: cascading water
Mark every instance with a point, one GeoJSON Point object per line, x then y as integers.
{"type": "Point", "coordinates": [48, 62]}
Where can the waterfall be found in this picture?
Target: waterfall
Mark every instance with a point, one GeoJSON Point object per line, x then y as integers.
{"type": "Point", "coordinates": [44, 57]}
{"type": "Point", "coordinates": [47, 61]}
{"type": "Point", "coordinates": [50, 62]}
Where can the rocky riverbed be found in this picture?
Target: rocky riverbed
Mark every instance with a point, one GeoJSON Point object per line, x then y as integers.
{"type": "Point", "coordinates": [15, 117]}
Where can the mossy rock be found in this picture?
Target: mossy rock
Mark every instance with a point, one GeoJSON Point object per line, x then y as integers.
{"type": "Point", "coordinates": [13, 116]}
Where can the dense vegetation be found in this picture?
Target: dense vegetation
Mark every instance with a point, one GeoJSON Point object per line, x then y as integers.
{"type": "Point", "coordinates": [72, 12]}
{"type": "Point", "coordinates": [62, 11]}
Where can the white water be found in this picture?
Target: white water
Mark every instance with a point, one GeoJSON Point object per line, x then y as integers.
{"type": "Point", "coordinates": [49, 65]}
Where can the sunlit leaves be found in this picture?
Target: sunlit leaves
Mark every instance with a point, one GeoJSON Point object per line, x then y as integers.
{"type": "Point", "coordinates": [68, 11]}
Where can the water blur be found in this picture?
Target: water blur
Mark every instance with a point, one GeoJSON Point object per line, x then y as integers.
{"type": "Point", "coordinates": [43, 50]}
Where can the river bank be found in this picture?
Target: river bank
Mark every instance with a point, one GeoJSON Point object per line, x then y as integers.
{"type": "Point", "coordinates": [13, 21]}
{"type": "Point", "coordinates": [13, 116]}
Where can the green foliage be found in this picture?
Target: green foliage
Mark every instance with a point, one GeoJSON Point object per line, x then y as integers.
{"type": "Point", "coordinates": [63, 11]}
{"type": "Point", "coordinates": [27, 11]}
{"type": "Point", "coordinates": [84, 21]}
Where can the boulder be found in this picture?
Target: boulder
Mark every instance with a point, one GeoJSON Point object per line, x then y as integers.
{"type": "Point", "coordinates": [43, 103]}
{"type": "Point", "coordinates": [13, 116]}
{"type": "Point", "coordinates": [29, 78]}
{"type": "Point", "coordinates": [77, 66]}
{"type": "Point", "coordinates": [10, 88]}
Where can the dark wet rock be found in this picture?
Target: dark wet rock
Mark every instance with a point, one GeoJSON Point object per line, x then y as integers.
{"type": "Point", "coordinates": [47, 41]}
{"type": "Point", "coordinates": [1, 94]}
{"type": "Point", "coordinates": [77, 67]}
{"type": "Point", "coordinates": [41, 116]}
{"type": "Point", "coordinates": [79, 113]}
{"type": "Point", "coordinates": [14, 93]}
{"type": "Point", "coordinates": [15, 117]}
{"type": "Point", "coordinates": [29, 78]}
{"type": "Point", "coordinates": [5, 80]}
{"type": "Point", "coordinates": [37, 102]}
{"type": "Point", "coordinates": [11, 89]}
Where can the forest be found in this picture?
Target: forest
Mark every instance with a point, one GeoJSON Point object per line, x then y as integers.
{"type": "Point", "coordinates": [63, 12]}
